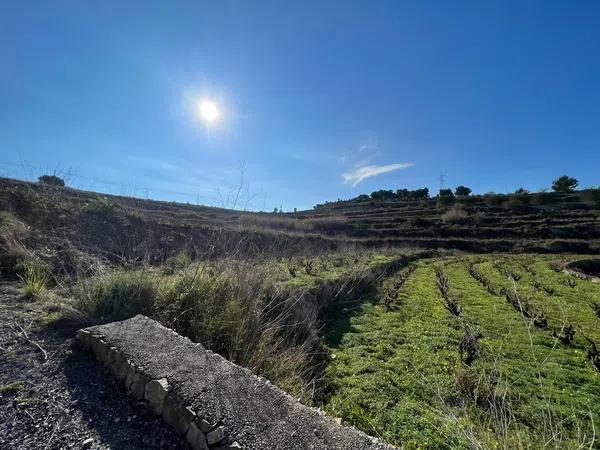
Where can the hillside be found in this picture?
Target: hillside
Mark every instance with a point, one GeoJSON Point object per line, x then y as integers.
{"type": "Point", "coordinates": [553, 222]}
{"type": "Point", "coordinates": [119, 228]}
{"type": "Point", "coordinates": [463, 323]}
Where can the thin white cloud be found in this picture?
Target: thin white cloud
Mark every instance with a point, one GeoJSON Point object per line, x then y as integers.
{"type": "Point", "coordinates": [362, 173]}
{"type": "Point", "coordinates": [369, 145]}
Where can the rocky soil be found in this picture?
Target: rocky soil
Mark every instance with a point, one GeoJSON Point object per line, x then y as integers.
{"type": "Point", "coordinates": [53, 395]}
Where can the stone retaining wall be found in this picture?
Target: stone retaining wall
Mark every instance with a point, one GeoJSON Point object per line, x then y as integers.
{"type": "Point", "coordinates": [211, 401]}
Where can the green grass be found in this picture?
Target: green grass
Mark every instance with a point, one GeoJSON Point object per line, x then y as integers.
{"type": "Point", "coordinates": [568, 305]}
{"type": "Point", "coordinates": [394, 371]}
{"type": "Point", "coordinates": [398, 373]}
{"type": "Point", "coordinates": [12, 388]}
{"type": "Point", "coordinates": [35, 278]}
{"type": "Point", "coordinates": [255, 314]}
{"type": "Point", "coordinates": [309, 272]}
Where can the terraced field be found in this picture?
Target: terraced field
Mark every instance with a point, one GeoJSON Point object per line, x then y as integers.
{"type": "Point", "coordinates": [425, 347]}
{"type": "Point", "coordinates": [540, 222]}
{"type": "Point", "coordinates": [135, 228]}
{"type": "Point", "coordinates": [472, 352]}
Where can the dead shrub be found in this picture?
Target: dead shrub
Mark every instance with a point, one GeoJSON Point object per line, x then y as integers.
{"type": "Point", "coordinates": [468, 346]}
{"type": "Point", "coordinates": [457, 214]}
{"type": "Point", "coordinates": [593, 354]}
{"type": "Point", "coordinates": [566, 334]}
{"type": "Point", "coordinates": [450, 301]}
{"type": "Point", "coordinates": [326, 225]}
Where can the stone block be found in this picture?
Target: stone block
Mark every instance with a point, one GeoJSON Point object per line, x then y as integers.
{"type": "Point", "coordinates": [204, 425]}
{"type": "Point", "coordinates": [196, 438]}
{"type": "Point", "coordinates": [129, 379]}
{"type": "Point", "coordinates": [138, 386]}
{"type": "Point", "coordinates": [176, 414]}
{"type": "Point", "coordinates": [110, 356]}
{"type": "Point", "coordinates": [100, 348]}
{"type": "Point", "coordinates": [84, 337]}
{"type": "Point", "coordinates": [119, 366]}
{"type": "Point", "coordinates": [155, 393]}
{"type": "Point", "coordinates": [215, 436]}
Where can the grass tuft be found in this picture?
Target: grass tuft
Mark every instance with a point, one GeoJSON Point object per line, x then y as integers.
{"type": "Point", "coordinates": [12, 388]}
{"type": "Point", "coordinates": [34, 278]}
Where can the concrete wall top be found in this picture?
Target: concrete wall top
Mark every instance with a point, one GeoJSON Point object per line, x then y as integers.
{"type": "Point", "coordinates": [249, 410]}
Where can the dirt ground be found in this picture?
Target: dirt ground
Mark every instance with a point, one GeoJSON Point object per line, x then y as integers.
{"type": "Point", "coordinates": [54, 395]}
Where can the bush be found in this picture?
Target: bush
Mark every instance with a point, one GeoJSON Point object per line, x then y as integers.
{"type": "Point", "coordinates": [564, 184]}
{"type": "Point", "coordinates": [462, 190]}
{"type": "Point", "coordinates": [118, 295]}
{"type": "Point", "coordinates": [51, 180]}
{"type": "Point", "coordinates": [445, 197]}
{"type": "Point", "coordinates": [177, 262]}
{"type": "Point", "coordinates": [456, 215]}
{"type": "Point", "coordinates": [229, 307]}
{"type": "Point", "coordinates": [35, 277]}
{"type": "Point", "coordinates": [232, 309]}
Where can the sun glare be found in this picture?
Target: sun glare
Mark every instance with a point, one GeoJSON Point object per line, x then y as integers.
{"type": "Point", "coordinates": [208, 111]}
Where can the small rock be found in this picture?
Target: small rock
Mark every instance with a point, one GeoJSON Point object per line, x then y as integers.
{"type": "Point", "coordinates": [215, 436]}
{"type": "Point", "coordinates": [87, 443]}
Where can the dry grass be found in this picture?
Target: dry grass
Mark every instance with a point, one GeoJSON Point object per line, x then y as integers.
{"type": "Point", "coordinates": [329, 224]}
{"type": "Point", "coordinates": [456, 214]}
{"type": "Point", "coordinates": [230, 307]}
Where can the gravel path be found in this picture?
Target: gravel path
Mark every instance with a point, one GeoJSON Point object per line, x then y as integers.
{"type": "Point", "coordinates": [63, 398]}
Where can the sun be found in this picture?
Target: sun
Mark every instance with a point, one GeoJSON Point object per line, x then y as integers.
{"type": "Point", "coordinates": [208, 111]}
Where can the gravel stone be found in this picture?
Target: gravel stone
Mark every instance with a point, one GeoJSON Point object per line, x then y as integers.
{"type": "Point", "coordinates": [74, 399]}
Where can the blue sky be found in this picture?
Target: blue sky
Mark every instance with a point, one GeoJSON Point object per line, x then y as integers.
{"type": "Point", "coordinates": [319, 100]}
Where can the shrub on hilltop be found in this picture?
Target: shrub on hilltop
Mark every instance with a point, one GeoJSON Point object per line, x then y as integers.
{"type": "Point", "coordinates": [51, 180]}
{"type": "Point", "coordinates": [564, 183]}
{"type": "Point", "coordinates": [462, 191]}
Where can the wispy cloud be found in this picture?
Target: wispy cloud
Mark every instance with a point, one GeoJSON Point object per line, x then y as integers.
{"type": "Point", "coordinates": [362, 173]}
{"type": "Point", "coordinates": [369, 146]}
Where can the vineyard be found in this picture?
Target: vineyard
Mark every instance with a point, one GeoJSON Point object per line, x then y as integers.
{"type": "Point", "coordinates": [472, 352]}
{"type": "Point", "coordinates": [372, 310]}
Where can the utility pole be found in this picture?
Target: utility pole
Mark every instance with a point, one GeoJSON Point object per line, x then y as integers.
{"type": "Point", "coordinates": [442, 180]}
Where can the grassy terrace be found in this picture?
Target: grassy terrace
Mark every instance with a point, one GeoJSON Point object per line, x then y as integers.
{"type": "Point", "coordinates": [398, 371]}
